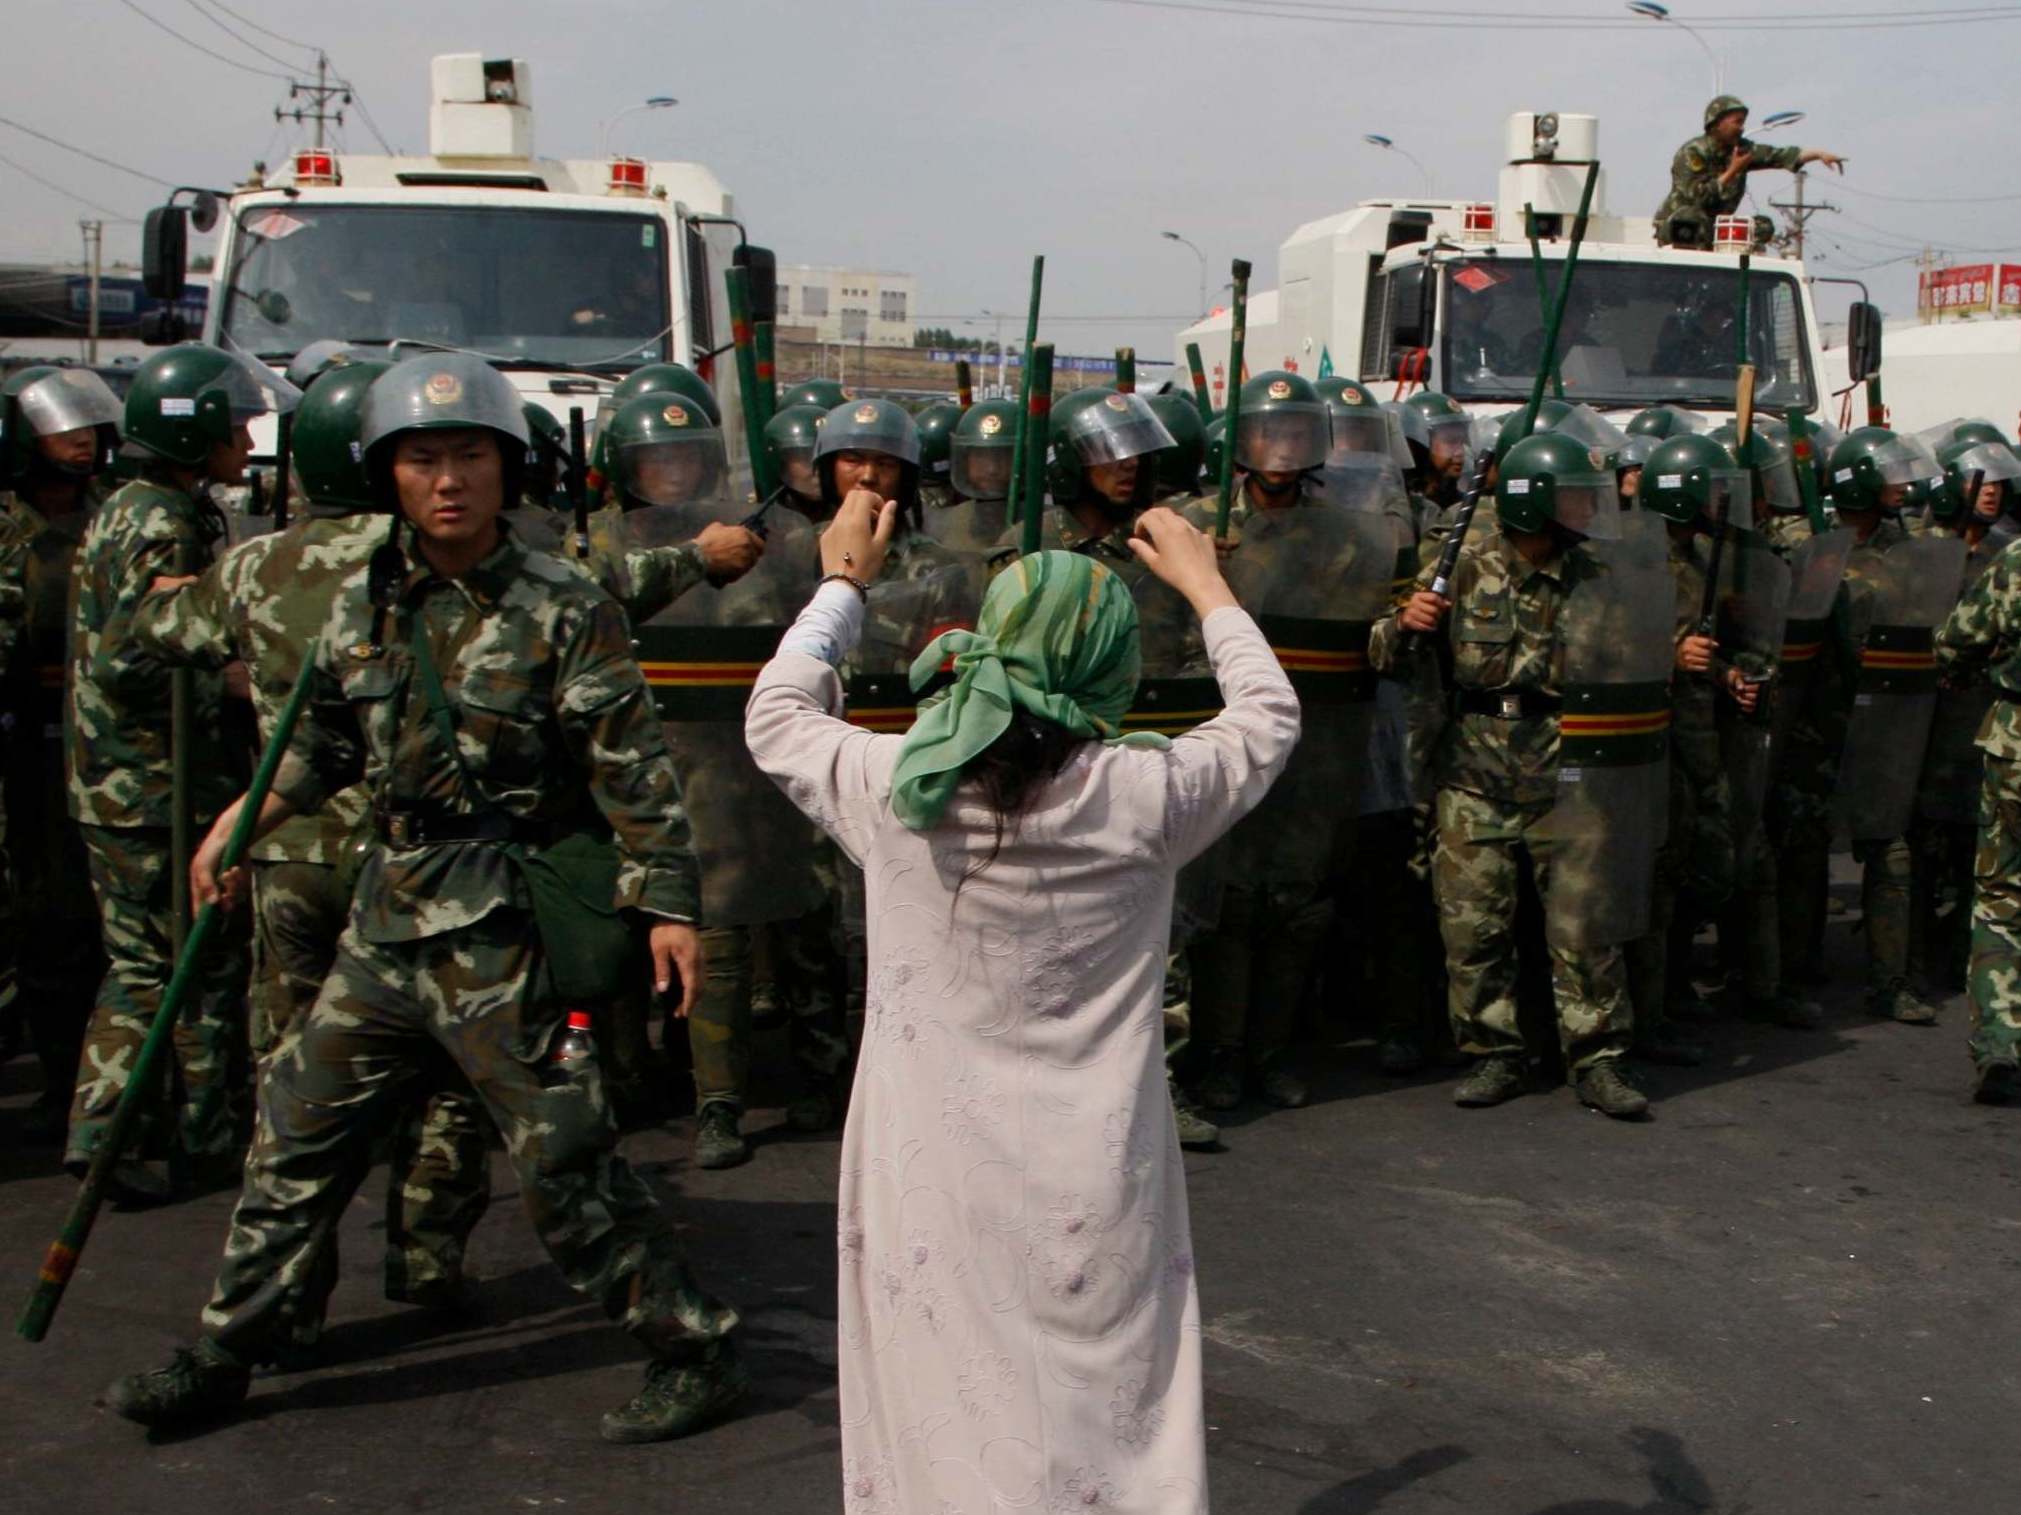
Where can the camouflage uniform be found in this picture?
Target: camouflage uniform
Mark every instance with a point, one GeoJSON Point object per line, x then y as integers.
{"type": "Point", "coordinates": [1696, 194]}
{"type": "Point", "coordinates": [1943, 836]}
{"type": "Point", "coordinates": [1497, 779]}
{"type": "Point", "coordinates": [441, 954]}
{"type": "Point", "coordinates": [1982, 639]}
{"type": "Point", "coordinates": [261, 604]}
{"type": "Point", "coordinates": [58, 957]}
{"type": "Point", "coordinates": [116, 747]}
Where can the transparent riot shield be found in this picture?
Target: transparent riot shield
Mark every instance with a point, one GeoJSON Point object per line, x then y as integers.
{"type": "Point", "coordinates": [1316, 577]}
{"type": "Point", "coordinates": [701, 654]}
{"type": "Point", "coordinates": [1611, 814]}
{"type": "Point", "coordinates": [1899, 598]}
{"type": "Point", "coordinates": [1753, 612]}
{"type": "Point", "coordinates": [971, 532]}
{"type": "Point", "coordinates": [902, 615]}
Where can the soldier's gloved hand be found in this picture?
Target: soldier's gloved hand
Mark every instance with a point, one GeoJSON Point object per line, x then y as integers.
{"type": "Point", "coordinates": [677, 950]}
{"type": "Point", "coordinates": [1423, 611]}
{"type": "Point", "coordinates": [207, 886]}
{"type": "Point", "coordinates": [728, 552]}
{"type": "Point", "coordinates": [857, 540]}
{"type": "Point", "coordinates": [1694, 654]}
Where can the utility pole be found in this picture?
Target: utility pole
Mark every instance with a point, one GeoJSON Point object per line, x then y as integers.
{"type": "Point", "coordinates": [94, 267]}
{"type": "Point", "coordinates": [318, 95]}
{"type": "Point", "coordinates": [1799, 215]}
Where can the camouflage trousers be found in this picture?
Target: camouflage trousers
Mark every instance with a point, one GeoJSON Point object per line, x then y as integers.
{"type": "Point", "coordinates": [1476, 875]}
{"type": "Point", "coordinates": [1885, 873]}
{"type": "Point", "coordinates": [1251, 970]}
{"type": "Point", "coordinates": [807, 977]}
{"type": "Point", "coordinates": [1994, 977]}
{"type": "Point", "coordinates": [58, 962]}
{"type": "Point", "coordinates": [438, 1183]}
{"type": "Point", "coordinates": [130, 875]}
{"type": "Point", "coordinates": [384, 1011]}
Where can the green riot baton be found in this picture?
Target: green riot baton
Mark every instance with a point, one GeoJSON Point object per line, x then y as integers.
{"type": "Point", "coordinates": [578, 467]}
{"type": "Point", "coordinates": [284, 462]}
{"type": "Point", "coordinates": [1126, 370]}
{"type": "Point", "coordinates": [964, 383]}
{"type": "Point", "coordinates": [1039, 377]}
{"type": "Point", "coordinates": [765, 336]}
{"type": "Point", "coordinates": [61, 1260]}
{"type": "Point", "coordinates": [1543, 288]}
{"type": "Point", "coordinates": [1198, 370]}
{"type": "Point", "coordinates": [1238, 331]}
{"type": "Point", "coordinates": [1014, 502]}
{"type": "Point", "coordinates": [181, 819]}
{"type": "Point", "coordinates": [1803, 443]}
{"type": "Point", "coordinates": [751, 401]}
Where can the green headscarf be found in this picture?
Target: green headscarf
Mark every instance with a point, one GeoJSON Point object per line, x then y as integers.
{"type": "Point", "coordinates": [1057, 638]}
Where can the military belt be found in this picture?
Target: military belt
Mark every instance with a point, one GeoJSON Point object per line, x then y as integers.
{"type": "Point", "coordinates": [1899, 660]}
{"type": "Point", "coordinates": [1326, 661]}
{"type": "Point", "coordinates": [421, 828]}
{"type": "Point", "coordinates": [704, 673]}
{"type": "Point", "coordinates": [1509, 704]}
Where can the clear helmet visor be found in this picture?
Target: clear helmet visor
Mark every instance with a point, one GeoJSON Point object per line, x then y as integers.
{"type": "Point", "coordinates": [1283, 439]}
{"type": "Point", "coordinates": [1634, 452]}
{"type": "Point", "coordinates": [71, 399]}
{"type": "Point", "coordinates": [1778, 484]}
{"type": "Point", "coordinates": [1590, 428]}
{"type": "Point", "coordinates": [253, 390]}
{"type": "Point", "coordinates": [1412, 422]}
{"type": "Point", "coordinates": [869, 426]}
{"type": "Point", "coordinates": [1994, 463]}
{"type": "Point", "coordinates": [796, 471]}
{"type": "Point", "coordinates": [1587, 503]}
{"type": "Point", "coordinates": [1117, 429]}
{"type": "Point", "coordinates": [1365, 432]}
{"type": "Point", "coordinates": [676, 471]}
{"type": "Point", "coordinates": [1362, 481]}
{"type": "Point", "coordinates": [980, 470]}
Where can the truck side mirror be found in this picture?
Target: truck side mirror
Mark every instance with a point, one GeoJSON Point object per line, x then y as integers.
{"type": "Point", "coordinates": [1863, 341]}
{"type": "Point", "coordinates": [762, 265]}
{"type": "Point", "coordinates": [164, 256]}
{"type": "Point", "coordinates": [1408, 327]}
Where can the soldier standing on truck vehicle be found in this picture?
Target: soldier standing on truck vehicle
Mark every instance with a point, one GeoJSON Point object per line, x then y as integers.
{"type": "Point", "coordinates": [1709, 174]}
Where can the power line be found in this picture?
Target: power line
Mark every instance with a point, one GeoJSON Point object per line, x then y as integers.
{"type": "Point", "coordinates": [29, 173]}
{"type": "Point", "coordinates": [1738, 19]}
{"type": "Point", "coordinates": [1874, 194]}
{"type": "Point", "coordinates": [103, 162]}
{"type": "Point", "coordinates": [263, 31]}
{"type": "Point", "coordinates": [238, 37]}
{"type": "Point", "coordinates": [1500, 21]}
{"type": "Point", "coordinates": [265, 73]}
{"type": "Point", "coordinates": [370, 125]}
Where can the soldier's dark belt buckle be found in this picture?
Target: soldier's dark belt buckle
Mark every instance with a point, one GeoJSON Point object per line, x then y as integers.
{"type": "Point", "coordinates": [1512, 705]}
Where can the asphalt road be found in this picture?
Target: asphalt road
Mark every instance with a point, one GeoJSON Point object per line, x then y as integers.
{"type": "Point", "coordinates": [1797, 1288]}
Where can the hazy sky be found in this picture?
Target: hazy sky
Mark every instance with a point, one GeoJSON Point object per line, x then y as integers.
{"type": "Point", "coordinates": [954, 138]}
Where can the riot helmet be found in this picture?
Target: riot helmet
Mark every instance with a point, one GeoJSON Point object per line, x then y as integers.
{"type": "Point", "coordinates": [329, 457]}
{"type": "Point", "coordinates": [1356, 420]}
{"type": "Point", "coordinates": [1510, 431]}
{"type": "Point", "coordinates": [1993, 463]}
{"type": "Point", "coordinates": [1661, 421]}
{"type": "Point", "coordinates": [652, 379]}
{"type": "Point", "coordinates": [442, 391]}
{"type": "Point", "coordinates": [1100, 428]}
{"type": "Point", "coordinates": [1551, 481]}
{"type": "Point", "coordinates": [1178, 466]}
{"type": "Point", "coordinates": [1872, 470]}
{"type": "Point", "coordinates": [1771, 461]}
{"type": "Point", "coordinates": [789, 447]}
{"type": "Point", "coordinates": [547, 453]}
{"type": "Point", "coordinates": [1977, 431]}
{"type": "Point", "coordinates": [936, 433]}
{"type": "Point", "coordinates": [879, 427]}
{"type": "Point", "coordinates": [189, 398]}
{"type": "Point", "coordinates": [1283, 428]}
{"type": "Point", "coordinates": [980, 453]}
{"type": "Point", "coordinates": [664, 450]}
{"type": "Point", "coordinates": [827, 393]}
{"type": "Point", "coordinates": [1446, 433]}
{"type": "Point", "coordinates": [43, 402]}
{"type": "Point", "coordinates": [322, 355]}
{"type": "Point", "coordinates": [1689, 480]}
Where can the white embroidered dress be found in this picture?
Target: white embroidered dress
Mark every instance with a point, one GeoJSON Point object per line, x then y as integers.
{"type": "Point", "coordinates": [1019, 1326]}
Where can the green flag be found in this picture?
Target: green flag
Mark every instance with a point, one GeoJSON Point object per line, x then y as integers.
{"type": "Point", "coordinates": [1325, 363]}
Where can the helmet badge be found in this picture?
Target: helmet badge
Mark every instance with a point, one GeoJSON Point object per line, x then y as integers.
{"type": "Point", "coordinates": [675, 415]}
{"type": "Point", "coordinates": [865, 414]}
{"type": "Point", "coordinates": [991, 425]}
{"type": "Point", "coordinates": [1280, 389]}
{"type": "Point", "coordinates": [443, 389]}
{"type": "Point", "coordinates": [1116, 402]}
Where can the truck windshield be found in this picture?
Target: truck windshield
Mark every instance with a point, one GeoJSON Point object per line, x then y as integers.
{"type": "Point", "coordinates": [1634, 334]}
{"type": "Point", "coordinates": [555, 288]}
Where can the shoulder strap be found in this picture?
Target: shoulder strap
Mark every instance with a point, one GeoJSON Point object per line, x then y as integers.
{"type": "Point", "coordinates": [439, 712]}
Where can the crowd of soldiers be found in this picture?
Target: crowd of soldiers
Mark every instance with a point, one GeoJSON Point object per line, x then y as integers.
{"type": "Point", "coordinates": [1661, 671]}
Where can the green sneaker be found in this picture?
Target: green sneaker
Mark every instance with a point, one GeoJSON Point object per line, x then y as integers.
{"type": "Point", "coordinates": [200, 1383]}
{"type": "Point", "coordinates": [1196, 1132]}
{"type": "Point", "coordinates": [718, 1142]}
{"type": "Point", "coordinates": [1494, 1081]}
{"type": "Point", "coordinates": [1605, 1088]}
{"type": "Point", "coordinates": [679, 1399]}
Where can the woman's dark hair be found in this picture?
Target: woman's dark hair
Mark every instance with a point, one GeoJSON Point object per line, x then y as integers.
{"type": "Point", "coordinates": [1011, 771]}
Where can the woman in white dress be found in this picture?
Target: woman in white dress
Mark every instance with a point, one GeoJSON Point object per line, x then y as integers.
{"type": "Point", "coordinates": [1018, 1320]}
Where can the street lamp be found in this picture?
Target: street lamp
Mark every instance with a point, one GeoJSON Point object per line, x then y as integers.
{"type": "Point", "coordinates": [1655, 12]}
{"type": "Point", "coordinates": [603, 131]}
{"type": "Point", "coordinates": [1001, 381]}
{"type": "Point", "coordinates": [1377, 139]}
{"type": "Point", "coordinates": [1780, 118]}
{"type": "Point", "coordinates": [1173, 236]}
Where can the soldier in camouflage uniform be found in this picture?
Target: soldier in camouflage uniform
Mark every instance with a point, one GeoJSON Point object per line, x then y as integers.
{"type": "Point", "coordinates": [187, 411]}
{"type": "Point", "coordinates": [262, 604]}
{"type": "Point", "coordinates": [1496, 772]}
{"type": "Point", "coordinates": [59, 430]}
{"type": "Point", "coordinates": [1943, 836]}
{"type": "Point", "coordinates": [1708, 176]}
{"type": "Point", "coordinates": [1982, 640]}
{"type": "Point", "coordinates": [789, 444]}
{"type": "Point", "coordinates": [548, 734]}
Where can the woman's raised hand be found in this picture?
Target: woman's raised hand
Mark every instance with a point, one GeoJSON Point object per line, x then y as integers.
{"type": "Point", "coordinates": [1182, 555]}
{"type": "Point", "coordinates": [857, 540]}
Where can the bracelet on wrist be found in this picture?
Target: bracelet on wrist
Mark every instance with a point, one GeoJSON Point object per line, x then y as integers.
{"type": "Point", "coordinates": [851, 580]}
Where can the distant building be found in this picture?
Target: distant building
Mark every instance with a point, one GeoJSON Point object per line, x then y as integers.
{"type": "Point", "coordinates": [854, 305]}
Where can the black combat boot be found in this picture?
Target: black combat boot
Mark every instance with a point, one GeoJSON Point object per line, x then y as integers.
{"type": "Point", "coordinates": [1495, 1080]}
{"type": "Point", "coordinates": [680, 1398]}
{"type": "Point", "coordinates": [1605, 1088]}
{"type": "Point", "coordinates": [200, 1383]}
